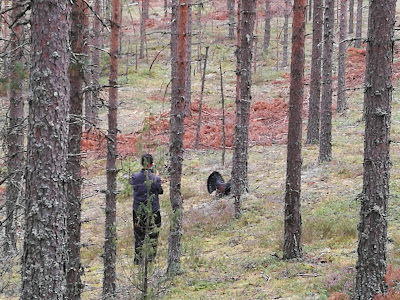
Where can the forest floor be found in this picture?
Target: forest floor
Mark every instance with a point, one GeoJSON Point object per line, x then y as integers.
{"type": "Point", "coordinates": [223, 257]}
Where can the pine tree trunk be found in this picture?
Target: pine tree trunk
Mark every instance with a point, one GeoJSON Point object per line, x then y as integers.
{"type": "Point", "coordinates": [315, 82]}
{"type": "Point", "coordinates": [203, 79]}
{"type": "Point", "coordinates": [372, 229]}
{"type": "Point", "coordinates": [231, 16]}
{"type": "Point", "coordinates": [285, 42]}
{"type": "Point", "coordinates": [341, 100]}
{"type": "Point", "coordinates": [359, 22]}
{"type": "Point", "coordinates": [189, 60]}
{"type": "Point", "coordinates": [44, 258]}
{"type": "Point", "coordinates": [292, 235]}
{"type": "Point", "coordinates": [79, 35]}
{"type": "Point", "coordinates": [94, 108]}
{"type": "Point", "coordinates": [111, 171]}
{"type": "Point", "coordinates": [240, 147]}
{"type": "Point", "coordinates": [267, 26]}
{"type": "Point", "coordinates": [15, 135]}
{"type": "Point", "coordinates": [143, 19]}
{"type": "Point", "coordinates": [179, 29]}
{"type": "Point", "coordinates": [351, 16]}
{"type": "Point", "coordinates": [325, 146]}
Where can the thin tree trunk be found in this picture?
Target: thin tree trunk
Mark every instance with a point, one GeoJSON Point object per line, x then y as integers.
{"type": "Point", "coordinates": [143, 19]}
{"type": "Point", "coordinates": [351, 16]}
{"type": "Point", "coordinates": [165, 8]}
{"type": "Point", "coordinates": [94, 114]}
{"type": "Point", "coordinates": [203, 79]}
{"type": "Point", "coordinates": [44, 258]}
{"type": "Point", "coordinates": [315, 82]}
{"type": "Point", "coordinates": [231, 16]}
{"type": "Point", "coordinates": [238, 48]}
{"type": "Point", "coordinates": [111, 169]}
{"type": "Point", "coordinates": [240, 147]}
{"type": "Point", "coordinates": [310, 9]}
{"type": "Point", "coordinates": [325, 146]}
{"type": "Point", "coordinates": [285, 35]}
{"type": "Point", "coordinates": [292, 235]}
{"type": "Point", "coordinates": [359, 22]}
{"type": "Point", "coordinates": [341, 98]}
{"type": "Point", "coordinates": [146, 5]}
{"type": "Point", "coordinates": [79, 36]}
{"type": "Point", "coordinates": [267, 26]}
{"type": "Point", "coordinates": [372, 230]}
{"type": "Point", "coordinates": [223, 115]}
{"type": "Point", "coordinates": [177, 130]}
{"type": "Point", "coordinates": [15, 135]}
{"type": "Point", "coordinates": [189, 60]}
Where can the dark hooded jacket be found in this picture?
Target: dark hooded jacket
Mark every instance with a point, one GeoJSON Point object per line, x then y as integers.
{"type": "Point", "coordinates": [141, 191]}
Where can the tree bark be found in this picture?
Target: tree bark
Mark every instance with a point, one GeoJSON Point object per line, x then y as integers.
{"type": "Point", "coordinates": [372, 229]}
{"type": "Point", "coordinates": [315, 82]}
{"type": "Point", "coordinates": [240, 147]}
{"type": "Point", "coordinates": [179, 29]}
{"type": "Point", "coordinates": [341, 98]}
{"type": "Point", "coordinates": [231, 16]}
{"type": "Point", "coordinates": [15, 134]}
{"type": "Point", "coordinates": [351, 16]}
{"type": "Point", "coordinates": [267, 26]}
{"type": "Point", "coordinates": [325, 146]}
{"type": "Point", "coordinates": [44, 257]}
{"type": "Point", "coordinates": [79, 36]}
{"type": "Point", "coordinates": [358, 41]}
{"type": "Point", "coordinates": [292, 235]}
{"type": "Point", "coordinates": [111, 169]}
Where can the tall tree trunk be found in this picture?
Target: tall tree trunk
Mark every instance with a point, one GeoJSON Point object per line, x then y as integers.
{"type": "Point", "coordinates": [325, 146]}
{"type": "Point", "coordinates": [179, 29]}
{"type": "Point", "coordinates": [359, 24]}
{"type": "Point", "coordinates": [315, 82]}
{"type": "Point", "coordinates": [44, 257]}
{"type": "Point", "coordinates": [240, 147]}
{"type": "Point", "coordinates": [189, 60]}
{"type": "Point", "coordinates": [95, 99]}
{"type": "Point", "coordinates": [267, 26]}
{"type": "Point", "coordinates": [143, 19]}
{"type": "Point", "coordinates": [341, 98]}
{"type": "Point", "coordinates": [351, 16]}
{"type": "Point", "coordinates": [79, 36]}
{"type": "Point", "coordinates": [110, 225]}
{"type": "Point", "coordinates": [203, 79]}
{"type": "Point", "coordinates": [372, 229]}
{"type": "Point", "coordinates": [223, 114]}
{"type": "Point", "coordinates": [15, 134]}
{"type": "Point", "coordinates": [292, 235]}
{"type": "Point", "coordinates": [285, 43]}
{"type": "Point", "coordinates": [231, 16]}
{"type": "Point", "coordinates": [146, 5]}
{"type": "Point", "coordinates": [310, 9]}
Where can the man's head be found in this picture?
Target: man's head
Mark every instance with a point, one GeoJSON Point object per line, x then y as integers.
{"type": "Point", "coordinates": [147, 161]}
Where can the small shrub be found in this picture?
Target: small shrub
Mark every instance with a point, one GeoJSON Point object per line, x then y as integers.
{"type": "Point", "coordinates": [340, 283]}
